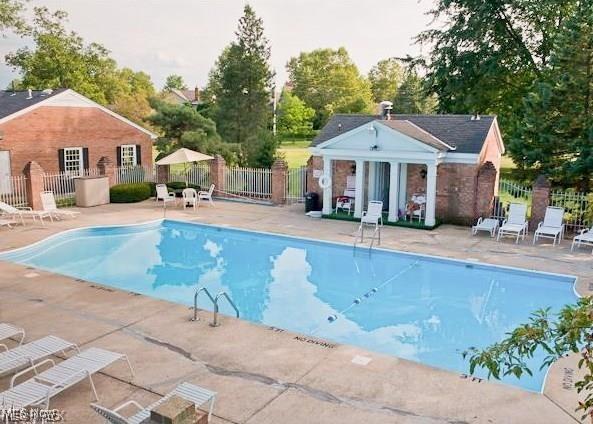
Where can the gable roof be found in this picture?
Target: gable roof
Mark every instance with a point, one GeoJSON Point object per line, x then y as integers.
{"type": "Point", "coordinates": [14, 101]}
{"type": "Point", "coordinates": [460, 132]}
{"type": "Point", "coordinates": [19, 104]}
{"type": "Point", "coordinates": [417, 133]}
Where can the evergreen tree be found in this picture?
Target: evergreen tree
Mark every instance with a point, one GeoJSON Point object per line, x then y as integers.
{"type": "Point", "coordinates": [241, 87]}
{"type": "Point", "coordinates": [412, 96]}
{"type": "Point", "coordinates": [555, 135]}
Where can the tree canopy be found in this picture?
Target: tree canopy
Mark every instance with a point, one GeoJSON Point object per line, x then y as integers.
{"type": "Point", "coordinates": [295, 118]}
{"type": "Point", "coordinates": [61, 59]}
{"type": "Point", "coordinates": [183, 126]}
{"type": "Point", "coordinates": [240, 88]}
{"type": "Point", "coordinates": [412, 96]}
{"type": "Point", "coordinates": [329, 82]}
{"type": "Point", "coordinates": [11, 16]}
{"type": "Point", "coordinates": [385, 78]}
{"type": "Point", "coordinates": [174, 81]}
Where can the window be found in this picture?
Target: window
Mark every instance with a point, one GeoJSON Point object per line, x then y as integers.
{"type": "Point", "coordinates": [128, 155]}
{"type": "Point", "coordinates": [73, 160]}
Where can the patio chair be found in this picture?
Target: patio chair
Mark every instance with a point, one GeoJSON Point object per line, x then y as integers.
{"type": "Point", "coordinates": [350, 190]}
{"type": "Point", "coordinates": [206, 195]}
{"type": "Point", "coordinates": [24, 212]}
{"type": "Point", "coordinates": [552, 225]}
{"type": "Point", "coordinates": [39, 389]}
{"type": "Point", "coordinates": [585, 236]}
{"type": "Point", "coordinates": [28, 354]}
{"type": "Point", "coordinates": [516, 223]}
{"type": "Point", "coordinates": [373, 216]}
{"type": "Point", "coordinates": [8, 331]}
{"type": "Point", "coordinates": [190, 392]}
{"type": "Point", "coordinates": [48, 201]}
{"type": "Point", "coordinates": [488, 224]}
{"type": "Point", "coordinates": [162, 193]}
{"type": "Point", "coordinates": [345, 204]}
{"type": "Point", "coordinates": [190, 197]}
{"type": "Point", "coordinates": [7, 222]}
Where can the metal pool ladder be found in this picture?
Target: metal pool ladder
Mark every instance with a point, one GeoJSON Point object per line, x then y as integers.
{"type": "Point", "coordinates": [214, 301]}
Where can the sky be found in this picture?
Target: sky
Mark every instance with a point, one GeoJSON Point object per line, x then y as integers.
{"type": "Point", "coordinates": [185, 37]}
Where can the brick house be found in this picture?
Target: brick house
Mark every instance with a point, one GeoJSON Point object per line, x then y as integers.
{"type": "Point", "coordinates": [64, 131]}
{"type": "Point", "coordinates": [451, 162]}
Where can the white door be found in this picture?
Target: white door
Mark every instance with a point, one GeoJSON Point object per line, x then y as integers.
{"type": "Point", "coordinates": [5, 185]}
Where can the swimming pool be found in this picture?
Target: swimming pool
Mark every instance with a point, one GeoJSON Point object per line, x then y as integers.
{"type": "Point", "coordinates": [421, 308]}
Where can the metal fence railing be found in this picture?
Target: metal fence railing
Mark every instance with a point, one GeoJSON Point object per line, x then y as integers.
{"type": "Point", "coordinates": [575, 207]}
{"type": "Point", "coordinates": [511, 192]}
{"type": "Point", "coordinates": [296, 184]}
{"type": "Point", "coordinates": [248, 182]}
{"type": "Point", "coordinates": [197, 175]}
{"type": "Point", "coordinates": [13, 190]}
{"type": "Point", "coordinates": [62, 184]}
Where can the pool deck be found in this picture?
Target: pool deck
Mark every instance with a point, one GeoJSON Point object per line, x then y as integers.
{"type": "Point", "coordinates": [262, 374]}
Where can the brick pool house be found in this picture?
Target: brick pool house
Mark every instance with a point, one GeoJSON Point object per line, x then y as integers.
{"type": "Point", "coordinates": [62, 130]}
{"type": "Point", "coordinates": [451, 161]}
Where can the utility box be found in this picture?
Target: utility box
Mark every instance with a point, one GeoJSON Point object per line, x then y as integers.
{"type": "Point", "coordinates": [91, 191]}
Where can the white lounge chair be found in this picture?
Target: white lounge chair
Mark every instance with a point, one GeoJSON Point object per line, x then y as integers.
{"type": "Point", "coordinates": [552, 226]}
{"type": "Point", "coordinates": [162, 193]}
{"type": "Point", "coordinates": [49, 205]}
{"type": "Point", "coordinates": [373, 216]}
{"type": "Point", "coordinates": [486, 224]}
{"type": "Point", "coordinates": [583, 237]}
{"type": "Point", "coordinates": [206, 195]}
{"type": "Point", "coordinates": [190, 197]}
{"type": "Point", "coordinates": [28, 354]}
{"type": "Point", "coordinates": [7, 222]}
{"type": "Point", "coordinates": [44, 385]}
{"type": "Point", "coordinates": [23, 212]}
{"type": "Point", "coordinates": [190, 392]}
{"type": "Point", "coordinates": [516, 223]}
{"type": "Point", "coordinates": [8, 331]}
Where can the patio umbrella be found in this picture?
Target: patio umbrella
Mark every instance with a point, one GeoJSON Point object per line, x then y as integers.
{"type": "Point", "coordinates": [184, 156]}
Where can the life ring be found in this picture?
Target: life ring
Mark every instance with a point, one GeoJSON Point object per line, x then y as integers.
{"type": "Point", "coordinates": [324, 181]}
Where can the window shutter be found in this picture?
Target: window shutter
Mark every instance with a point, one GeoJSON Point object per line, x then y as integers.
{"type": "Point", "coordinates": [138, 155]}
{"type": "Point", "coordinates": [61, 161]}
{"type": "Point", "coordinates": [85, 157]}
{"type": "Point", "coordinates": [118, 155]}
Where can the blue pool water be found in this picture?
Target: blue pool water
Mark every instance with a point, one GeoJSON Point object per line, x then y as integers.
{"type": "Point", "coordinates": [415, 307]}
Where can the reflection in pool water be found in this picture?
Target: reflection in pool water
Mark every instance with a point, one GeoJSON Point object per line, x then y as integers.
{"type": "Point", "coordinates": [418, 308]}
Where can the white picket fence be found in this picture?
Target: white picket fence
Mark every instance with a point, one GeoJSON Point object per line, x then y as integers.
{"type": "Point", "coordinates": [197, 175]}
{"type": "Point", "coordinates": [511, 192]}
{"type": "Point", "coordinates": [296, 185]}
{"type": "Point", "coordinates": [135, 174]}
{"type": "Point", "coordinates": [62, 184]}
{"type": "Point", "coordinates": [248, 182]}
{"type": "Point", "coordinates": [13, 190]}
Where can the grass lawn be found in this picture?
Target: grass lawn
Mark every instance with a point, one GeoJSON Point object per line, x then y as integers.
{"type": "Point", "coordinates": [295, 152]}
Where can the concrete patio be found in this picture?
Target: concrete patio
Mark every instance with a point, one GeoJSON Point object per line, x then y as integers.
{"type": "Point", "coordinates": [267, 375]}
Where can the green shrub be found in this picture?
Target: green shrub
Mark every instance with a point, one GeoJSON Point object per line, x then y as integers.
{"type": "Point", "coordinates": [179, 185]}
{"type": "Point", "coordinates": [129, 193]}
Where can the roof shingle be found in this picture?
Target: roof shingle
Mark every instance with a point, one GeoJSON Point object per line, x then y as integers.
{"type": "Point", "coordinates": [13, 101]}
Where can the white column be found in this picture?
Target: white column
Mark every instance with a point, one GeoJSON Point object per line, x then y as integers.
{"type": "Point", "coordinates": [372, 184]}
{"type": "Point", "coordinates": [327, 191]}
{"type": "Point", "coordinates": [358, 198]}
{"type": "Point", "coordinates": [393, 191]}
{"type": "Point", "coordinates": [403, 185]}
{"type": "Point", "coordinates": [431, 194]}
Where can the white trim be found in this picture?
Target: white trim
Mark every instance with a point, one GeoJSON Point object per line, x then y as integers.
{"type": "Point", "coordinates": [381, 156]}
{"type": "Point", "coordinates": [134, 155]}
{"type": "Point", "coordinates": [342, 136]}
{"type": "Point", "coordinates": [467, 158]}
{"type": "Point", "coordinates": [499, 136]}
{"type": "Point", "coordinates": [80, 160]}
{"type": "Point", "coordinates": [88, 102]}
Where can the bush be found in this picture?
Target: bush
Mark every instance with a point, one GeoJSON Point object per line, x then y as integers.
{"type": "Point", "coordinates": [179, 185]}
{"type": "Point", "coordinates": [129, 193]}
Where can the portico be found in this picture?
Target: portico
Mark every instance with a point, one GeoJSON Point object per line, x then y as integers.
{"type": "Point", "coordinates": [381, 151]}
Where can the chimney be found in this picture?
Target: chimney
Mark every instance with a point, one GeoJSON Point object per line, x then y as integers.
{"type": "Point", "coordinates": [386, 108]}
{"type": "Point", "coordinates": [475, 117]}
{"type": "Point", "coordinates": [197, 94]}
{"type": "Point", "coordinates": [29, 94]}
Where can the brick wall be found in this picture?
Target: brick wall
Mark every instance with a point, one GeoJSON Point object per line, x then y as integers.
{"type": "Point", "coordinates": [39, 134]}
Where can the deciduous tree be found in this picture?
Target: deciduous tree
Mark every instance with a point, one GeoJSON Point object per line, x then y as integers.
{"type": "Point", "coordinates": [11, 15]}
{"type": "Point", "coordinates": [295, 118]}
{"type": "Point", "coordinates": [385, 78]}
{"type": "Point", "coordinates": [328, 81]}
{"type": "Point", "coordinates": [174, 82]}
